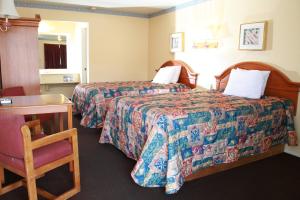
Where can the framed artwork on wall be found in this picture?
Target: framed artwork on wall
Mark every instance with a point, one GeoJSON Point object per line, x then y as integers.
{"type": "Point", "coordinates": [253, 36]}
{"type": "Point", "coordinates": [177, 42]}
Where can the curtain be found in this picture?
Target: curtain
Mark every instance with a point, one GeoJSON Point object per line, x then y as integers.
{"type": "Point", "coordinates": [63, 56]}
{"type": "Point", "coordinates": [55, 56]}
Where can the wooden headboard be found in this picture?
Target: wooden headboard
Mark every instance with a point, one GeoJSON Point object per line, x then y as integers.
{"type": "Point", "coordinates": [187, 76]}
{"type": "Point", "coordinates": [278, 84]}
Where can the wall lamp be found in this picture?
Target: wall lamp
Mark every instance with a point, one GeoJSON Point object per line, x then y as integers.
{"type": "Point", "coordinates": [7, 11]}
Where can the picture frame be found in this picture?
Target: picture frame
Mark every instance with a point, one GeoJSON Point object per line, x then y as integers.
{"type": "Point", "coordinates": [177, 42]}
{"type": "Point", "coordinates": [253, 36]}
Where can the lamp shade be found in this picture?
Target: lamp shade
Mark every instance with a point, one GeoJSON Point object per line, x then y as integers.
{"type": "Point", "coordinates": [8, 9]}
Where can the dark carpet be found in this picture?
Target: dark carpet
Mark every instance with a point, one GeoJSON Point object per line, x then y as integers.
{"type": "Point", "coordinates": [105, 174]}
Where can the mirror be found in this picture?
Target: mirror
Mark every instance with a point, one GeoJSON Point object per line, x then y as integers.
{"type": "Point", "coordinates": [53, 51]}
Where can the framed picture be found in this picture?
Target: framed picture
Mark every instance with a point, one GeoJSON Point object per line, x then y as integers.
{"type": "Point", "coordinates": [253, 36]}
{"type": "Point", "coordinates": [177, 42]}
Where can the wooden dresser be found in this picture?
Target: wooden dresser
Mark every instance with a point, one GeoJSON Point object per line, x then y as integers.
{"type": "Point", "coordinates": [19, 55]}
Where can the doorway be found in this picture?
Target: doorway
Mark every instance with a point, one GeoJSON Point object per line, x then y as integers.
{"type": "Point", "coordinates": [74, 37]}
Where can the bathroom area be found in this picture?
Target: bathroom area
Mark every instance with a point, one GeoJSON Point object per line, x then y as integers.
{"type": "Point", "coordinates": [63, 60]}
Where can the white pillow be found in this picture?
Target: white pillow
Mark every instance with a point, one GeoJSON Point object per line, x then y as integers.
{"type": "Point", "coordinates": [175, 73]}
{"type": "Point", "coordinates": [168, 74]}
{"type": "Point", "coordinates": [163, 76]}
{"type": "Point", "coordinates": [265, 75]}
{"type": "Point", "coordinates": [245, 83]}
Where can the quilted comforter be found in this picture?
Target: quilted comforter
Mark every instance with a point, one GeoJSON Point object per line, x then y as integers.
{"type": "Point", "coordinates": [173, 135]}
{"type": "Point", "coordinates": [91, 100]}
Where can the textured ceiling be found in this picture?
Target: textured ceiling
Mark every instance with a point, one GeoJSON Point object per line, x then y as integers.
{"type": "Point", "coordinates": [135, 6]}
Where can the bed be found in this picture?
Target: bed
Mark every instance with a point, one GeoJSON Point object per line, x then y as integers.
{"type": "Point", "coordinates": [184, 136]}
{"type": "Point", "coordinates": [91, 100]}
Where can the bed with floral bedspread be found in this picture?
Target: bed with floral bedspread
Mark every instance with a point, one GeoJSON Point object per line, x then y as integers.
{"type": "Point", "coordinates": [173, 135]}
{"type": "Point", "coordinates": [91, 100]}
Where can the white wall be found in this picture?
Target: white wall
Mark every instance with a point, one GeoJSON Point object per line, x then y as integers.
{"type": "Point", "coordinates": [118, 45]}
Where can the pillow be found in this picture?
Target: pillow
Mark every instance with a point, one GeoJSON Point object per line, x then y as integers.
{"type": "Point", "coordinates": [245, 83]}
{"type": "Point", "coordinates": [163, 76]}
{"type": "Point", "coordinates": [175, 73]}
{"type": "Point", "coordinates": [265, 74]}
{"type": "Point", "coordinates": [168, 74]}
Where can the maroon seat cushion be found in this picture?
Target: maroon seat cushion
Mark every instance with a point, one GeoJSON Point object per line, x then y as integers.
{"type": "Point", "coordinates": [41, 156]}
{"type": "Point", "coordinates": [11, 140]}
{"type": "Point", "coordinates": [13, 91]}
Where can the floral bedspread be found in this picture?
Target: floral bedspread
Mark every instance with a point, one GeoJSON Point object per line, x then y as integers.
{"type": "Point", "coordinates": [173, 135]}
{"type": "Point", "coordinates": [91, 100]}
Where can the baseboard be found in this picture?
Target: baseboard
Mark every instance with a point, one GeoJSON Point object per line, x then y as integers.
{"type": "Point", "coordinates": [295, 151]}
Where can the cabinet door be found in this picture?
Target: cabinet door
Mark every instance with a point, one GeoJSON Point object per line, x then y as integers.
{"type": "Point", "coordinates": [19, 58]}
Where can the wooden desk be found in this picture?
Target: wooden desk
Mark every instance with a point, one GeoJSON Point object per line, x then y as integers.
{"type": "Point", "coordinates": [40, 104]}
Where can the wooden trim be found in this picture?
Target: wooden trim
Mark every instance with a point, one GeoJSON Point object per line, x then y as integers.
{"type": "Point", "coordinates": [11, 187]}
{"type": "Point", "coordinates": [70, 125]}
{"type": "Point", "coordinates": [2, 177]}
{"type": "Point", "coordinates": [53, 138]}
{"type": "Point", "coordinates": [75, 165]}
{"type": "Point", "coordinates": [243, 161]}
{"type": "Point", "coordinates": [70, 116]}
{"type": "Point", "coordinates": [34, 109]}
{"type": "Point", "coordinates": [31, 188]}
{"type": "Point", "coordinates": [68, 194]}
{"type": "Point", "coordinates": [35, 125]}
{"type": "Point", "coordinates": [41, 191]}
{"type": "Point", "coordinates": [14, 170]}
{"type": "Point", "coordinates": [61, 121]}
{"type": "Point", "coordinates": [278, 85]}
{"type": "Point", "coordinates": [29, 164]}
{"type": "Point", "coordinates": [187, 75]}
{"type": "Point", "coordinates": [23, 21]}
{"type": "Point", "coordinates": [41, 170]}
{"type": "Point", "coordinates": [45, 194]}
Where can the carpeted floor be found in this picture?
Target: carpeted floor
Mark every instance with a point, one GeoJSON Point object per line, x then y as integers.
{"type": "Point", "coordinates": [105, 174]}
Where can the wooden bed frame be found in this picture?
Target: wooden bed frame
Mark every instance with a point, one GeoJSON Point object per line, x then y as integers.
{"type": "Point", "coordinates": [187, 76]}
{"type": "Point", "coordinates": [278, 85]}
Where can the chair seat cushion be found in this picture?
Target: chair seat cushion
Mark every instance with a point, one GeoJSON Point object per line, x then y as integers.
{"type": "Point", "coordinates": [41, 156]}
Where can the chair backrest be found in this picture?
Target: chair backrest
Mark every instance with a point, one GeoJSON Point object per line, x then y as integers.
{"type": "Point", "coordinates": [13, 91]}
{"type": "Point", "coordinates": [11, 139]}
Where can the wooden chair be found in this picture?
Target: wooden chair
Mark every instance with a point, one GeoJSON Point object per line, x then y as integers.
{"type": "Point", "coordinates": [30, 154]}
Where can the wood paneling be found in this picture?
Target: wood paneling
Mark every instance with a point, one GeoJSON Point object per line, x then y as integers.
{"type": "Point", "coordinates": [19, 55]}
{"type": "Point", "coordinates": [24, 21]}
